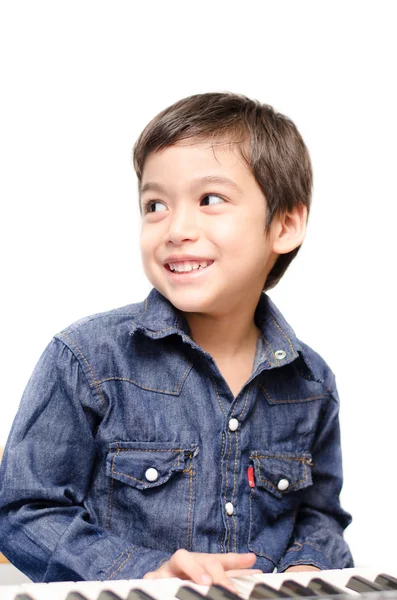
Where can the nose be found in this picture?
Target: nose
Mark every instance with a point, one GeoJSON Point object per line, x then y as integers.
{"type": "Point", "coordinates": [183, 225]}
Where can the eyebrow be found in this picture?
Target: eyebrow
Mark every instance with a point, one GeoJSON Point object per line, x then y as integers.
{"type": "Point", "coordinates": [195, 183]}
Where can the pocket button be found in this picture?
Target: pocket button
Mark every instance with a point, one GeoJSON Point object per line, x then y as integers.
{"type": "Point", "coordinates": [233, 424]}
{"type": "Point", "coordinates": [151, 474]}
{"type": "Point", "coordinates": [283, 485]}
{"type": "Point", "coordinates": [229, 508]}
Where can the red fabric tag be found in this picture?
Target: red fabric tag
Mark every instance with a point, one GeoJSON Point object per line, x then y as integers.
{"type": "Point", "coordinates": [251, 479]}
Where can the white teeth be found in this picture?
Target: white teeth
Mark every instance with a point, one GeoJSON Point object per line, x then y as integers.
{"type": "Point", "coordinates": [185, 267]}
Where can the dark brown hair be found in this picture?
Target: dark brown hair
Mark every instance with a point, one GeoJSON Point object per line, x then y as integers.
{"type": "Point", "coordinates": [278, 157]}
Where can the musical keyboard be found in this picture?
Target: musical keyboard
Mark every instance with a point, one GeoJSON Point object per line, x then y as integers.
{"type": "Point", "coordinates": [345, 584]}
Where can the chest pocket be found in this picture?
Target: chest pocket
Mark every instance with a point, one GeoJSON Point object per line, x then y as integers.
{"type": "Point", "coordinates": [275, 499]}
{"type": "Point", "coordinates": [151, 493]}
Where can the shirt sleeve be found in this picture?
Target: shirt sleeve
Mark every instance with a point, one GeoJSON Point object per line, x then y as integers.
{"type": "Point", "coordinates": [46, 527]}
{"type": "Point", "coordinates": [318, 534]}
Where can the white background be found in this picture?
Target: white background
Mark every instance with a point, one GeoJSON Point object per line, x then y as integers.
{"type": "Point", "coordinates": [80, 80]}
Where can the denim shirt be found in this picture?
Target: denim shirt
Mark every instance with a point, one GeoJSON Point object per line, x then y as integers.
{"type": "Point", "coordinates": [129, 444]}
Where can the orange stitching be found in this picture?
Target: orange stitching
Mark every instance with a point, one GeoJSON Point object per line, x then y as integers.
{"type": "Point", "coordinates": [235, 533]}
{"type": "Point", "coordinates": [112, 565]}
{"type": "Point", "coordinates": [217, 395]}
{"type": "Point", "coordinates": [111, 491]}
{"type": "Point", "coordinates": [265, 556]}
{"type": "Point", "coordinates": [275, 400]}
{"type": "Point", "coordinates": [284, 334]}
{"type": "Point", "coordinates": [233, 491]}
{"type": "Point", "coordinates": [221, 544]}
{"type": "Point", "coordinates": [138, 450]}
{"type": "Point", "coordinates": [190, 471]}
{"type": "Point", "coordinates": [330, 383]}
{"type": "Point", "coordinates": [129, 477]}
{"type": "Point", "coordinates": [122, 565]}
{"type": "Point", "coordinates": [245, 404]}
{"type": "Point", "coordinates": [148, 450]}
{"type": "Point", "coordinates": [292, 549]}
{"type": "Point", "coordinates": [312, 545]}
{"type": "Point", "coordinates": [146, 304]}
{"type": "Point", "coordinates": [165, 329]}
{"type": "Point", "coordinates": [290, 487]}
{"type": "Point", "coordinates": [303, 460]}
{"type": "Point", "coordinates": [149, 389]}
{"type": "Point", "coordinates": [227, 481]}
{"type": "Point", "coordinates": [271, 354]}
{"type": "Point", "coordinates": [145, 307]}
{"type": "Point", "coordinates": [89, 366]}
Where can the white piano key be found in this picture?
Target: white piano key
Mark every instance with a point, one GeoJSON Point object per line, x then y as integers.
{"type": "Point", "coordinates": [166, 589]}
{"type": "Point", "coordinates": [59, 590]}
{"type": "Point", "coordinates": [160, 589]}
{"type": "Point", "coordinates": [338, 577]}
{"type": "Point", "coordinates": [8, 592]}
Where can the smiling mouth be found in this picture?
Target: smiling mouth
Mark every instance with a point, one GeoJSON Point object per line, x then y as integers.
{"type": "Point", "coordinates": [185, 267]}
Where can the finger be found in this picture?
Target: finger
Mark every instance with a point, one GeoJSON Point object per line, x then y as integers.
{"type": "Point", "coordinates": [185, 565]}
{"type": "Point", "coordinates": [217, 572]}
{"type": "Point", "coordinates": [161, 573]}
{"type": "Point", "coordinates": [158, 575]}
{"type": "Point", "coordinates": [243, 572]}
{"type": "Point", "coordinates": [232, 560]}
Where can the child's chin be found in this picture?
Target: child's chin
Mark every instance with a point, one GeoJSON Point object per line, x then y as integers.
{"type": "Point", "coordinates": [189, 301]}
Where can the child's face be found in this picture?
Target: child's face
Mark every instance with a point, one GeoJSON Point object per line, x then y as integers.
{"type": "Point", "coordinates": [221, 223]}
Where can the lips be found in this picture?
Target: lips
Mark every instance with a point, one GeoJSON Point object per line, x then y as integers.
{"type": "Point", "coordinates": [174, 258]}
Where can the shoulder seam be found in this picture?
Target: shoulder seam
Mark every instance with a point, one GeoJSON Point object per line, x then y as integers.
{"type": "Point", "coordinates": [109, 314]}
{"type": "Point", "coordinates": [94, 379]}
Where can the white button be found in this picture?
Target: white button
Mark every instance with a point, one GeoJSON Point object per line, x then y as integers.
{"type": "Point", "coordinates": [283, 484]}
{"type": "Point", "coordinates": [229, 508]}
{"type": "Point", "coordinates": [152, 474]}
{"type": "Point", "coordinates": [233, 424]}
{"type": "Point", "coordinates": [280, 354]}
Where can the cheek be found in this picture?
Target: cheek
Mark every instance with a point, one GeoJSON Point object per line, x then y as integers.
{"type": "Point", "coordinates": [238, 235]}
{"type": "Point", "coordinates": [146, 242]}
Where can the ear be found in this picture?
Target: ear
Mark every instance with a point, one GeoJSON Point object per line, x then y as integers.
{"type": "Point", "coordinates": [289, 229]}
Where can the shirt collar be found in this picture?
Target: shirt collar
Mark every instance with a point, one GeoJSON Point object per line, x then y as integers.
{"type": "Point", "coordinates": [159, 318]}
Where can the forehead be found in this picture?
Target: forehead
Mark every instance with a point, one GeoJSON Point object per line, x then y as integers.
{"type": "Point", "coordinates": [196, 160]}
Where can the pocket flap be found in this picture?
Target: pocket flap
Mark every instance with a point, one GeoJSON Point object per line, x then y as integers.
{"type": "Point", "coordinates": [282, 473]}
{"type": "Point", "coordinates": [146, 465]}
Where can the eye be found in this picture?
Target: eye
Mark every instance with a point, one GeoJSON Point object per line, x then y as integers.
{"type": "Point", "coordinates": [149, 206]}
{"type": "Point", "coordinates": [212, 196]}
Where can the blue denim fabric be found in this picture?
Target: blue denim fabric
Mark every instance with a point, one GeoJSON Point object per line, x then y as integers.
{"type": "Point", "coordinates": [124, 391]}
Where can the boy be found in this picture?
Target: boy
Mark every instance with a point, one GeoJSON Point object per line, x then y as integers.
{"type": "Point", "coordinates": [192, 434]}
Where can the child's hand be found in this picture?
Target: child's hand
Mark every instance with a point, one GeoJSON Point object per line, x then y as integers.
{"type": "Point", "coordinates": [302, 568]}
{"type": "Point", "coordinates": [206, 569]}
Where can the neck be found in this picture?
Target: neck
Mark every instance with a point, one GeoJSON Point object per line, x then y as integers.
{"type": "Point", "coordinates": [225, 335]}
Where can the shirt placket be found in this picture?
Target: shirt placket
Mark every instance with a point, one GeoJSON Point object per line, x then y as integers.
{"type": "Point", "coordinates": [231, 465]}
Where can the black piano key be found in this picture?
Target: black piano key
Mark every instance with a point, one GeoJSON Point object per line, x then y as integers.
{"type": "Point", "coordinates": [75, 596]}
{"type": "Point", "coordinates": [388, 582]}
{"type": "Point", "coordinates": [187, 593]}
{"type": "Point", "coordinates": [108, 595]}
{"type": "Point", "coordinates": [218, 592]}
{"type": "Point", "coordinates": [24, 597]}
{"type": "Point", "coordinates": [324, 588]}
{"type": "Point", "coordinates": [362, 585]}
{"type": "Point", "coordinates": [296, 589]}
{"type": "Point", "coordinates": [138, 594]}
{"type": "Point", "coordinates": [262, 591]}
